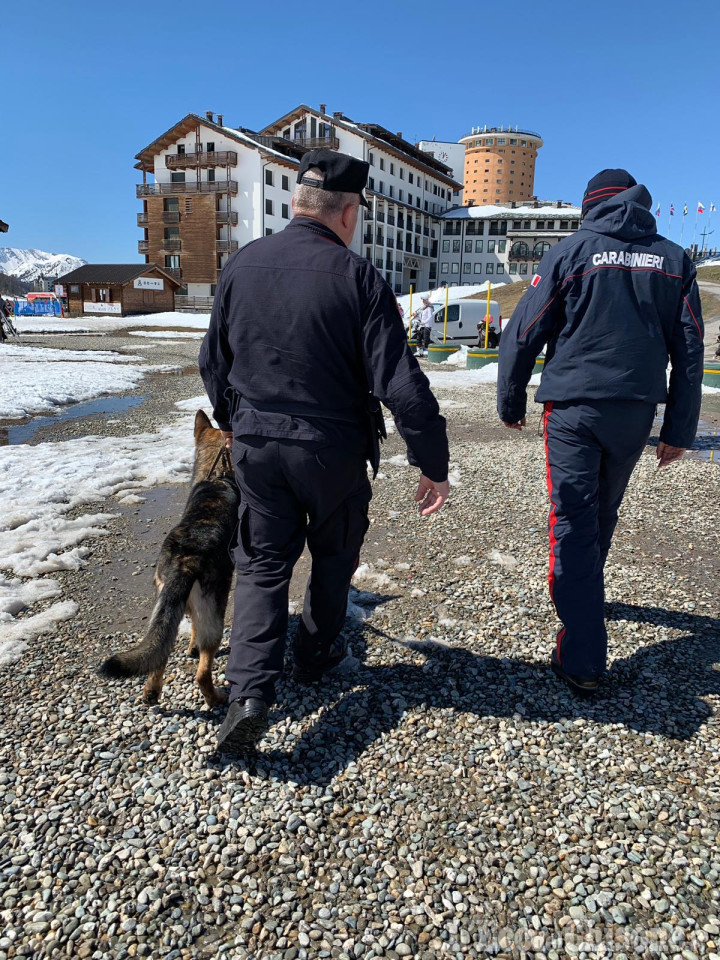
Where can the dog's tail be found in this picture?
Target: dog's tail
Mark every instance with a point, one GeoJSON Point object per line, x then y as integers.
{"type": "Point", "coordinates": [154, 649]}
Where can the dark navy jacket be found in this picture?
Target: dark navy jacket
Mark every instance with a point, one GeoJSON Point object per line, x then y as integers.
{"type": "Point", "coordinates": [299, 319]}
{"type": "Point", "coordinates": [613, 303]}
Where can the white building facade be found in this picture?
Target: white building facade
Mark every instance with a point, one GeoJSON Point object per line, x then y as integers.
{"type": "Point", "coordinates": [500, 243]}
{"type": "Point", "coordinates": [244, 181]}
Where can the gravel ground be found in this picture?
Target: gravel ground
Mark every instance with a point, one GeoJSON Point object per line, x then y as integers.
{"type": "Point", "coordinates": [449, 800]}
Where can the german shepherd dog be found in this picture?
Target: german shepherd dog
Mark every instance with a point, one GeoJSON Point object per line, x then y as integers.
{"type": "Point", "coordinates": [192, 575]}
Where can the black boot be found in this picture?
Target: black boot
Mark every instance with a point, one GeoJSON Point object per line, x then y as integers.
{"type": "Point", "coordinates": [245, 723]}
{"type": "Point", "coordinates": [582, 686]}
{"type": "Point", "coordinates": [314, 670]}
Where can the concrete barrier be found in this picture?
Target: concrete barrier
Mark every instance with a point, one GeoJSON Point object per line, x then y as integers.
{"type": "Point", "coordinates": [440, 352]}
{"type": "Point", "coordinates": [711, 374]}
{"type": "Point", "coordinates": [481, 357]}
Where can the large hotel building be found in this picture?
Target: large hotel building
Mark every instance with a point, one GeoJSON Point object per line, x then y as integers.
{"type": "Point", "coordinates": [208, 188]}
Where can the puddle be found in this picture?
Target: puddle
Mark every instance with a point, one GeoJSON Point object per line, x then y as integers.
{"type": "Point", "coordinates": [24, 432]}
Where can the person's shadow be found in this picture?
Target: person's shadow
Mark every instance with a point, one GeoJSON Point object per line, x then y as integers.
{"type": "Point", "coordinates": [658, 689]}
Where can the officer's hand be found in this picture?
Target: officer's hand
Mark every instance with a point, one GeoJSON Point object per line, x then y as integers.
{"type": "Point", "coordinates": [228, 438]}
{"type": "Point", "coordinates": [431, 496]}
{"type": "Point", "coordinates": [515, 426]}
{"type": "Point", "coordinates": [667, 454]}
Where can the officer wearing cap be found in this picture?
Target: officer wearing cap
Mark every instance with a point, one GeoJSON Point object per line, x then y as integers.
{"type": "Point", "coordinates": [614, 303]}
{"type": "Point", "coordinates": [304, 339]}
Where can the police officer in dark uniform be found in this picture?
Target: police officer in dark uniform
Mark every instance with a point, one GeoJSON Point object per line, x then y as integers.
{"type": "Point", "coordinates": [305, 337]}
{"type": "Point", "coordinates": [613, 303]}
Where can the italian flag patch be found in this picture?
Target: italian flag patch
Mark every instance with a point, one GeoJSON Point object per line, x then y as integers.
{"type": "Point", "coordinates": [536, 280]}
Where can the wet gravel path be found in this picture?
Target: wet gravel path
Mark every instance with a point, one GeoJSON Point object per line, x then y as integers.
{"type": "Point", "coordinates": [450, 800]}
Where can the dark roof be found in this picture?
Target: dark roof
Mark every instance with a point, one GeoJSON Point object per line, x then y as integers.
{"type": "Point", "coordinates": [112, 273]}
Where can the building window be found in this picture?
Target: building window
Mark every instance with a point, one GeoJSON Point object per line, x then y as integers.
{"type": "Point", "coordinates": [517, 224]}
{"type": "Point", "coordinates": [513, 268]}
{"type": "Point", "coordinates": [381, 187]}
{"type": "Point", "coordinates": [446, 246]}
{"type": "Point", "coordinates": [268, 231]}
{"type": "Point", "coordinates": [489, 267]}
{"type": "Point", "coordinates": [500, 268]}
{"type": "Point", "coordinates": [491, 246]}
{"type": "Point", "coordinates": [488, 142]}
{"type": "Point", "coordinates": [410, 178]}
{"type": "Point", "coordinates": [513, 143]}
{"type": "Point", "coordinates": [467, 267]}
{"type": "Point", "coordinates": [523, 143]}
{"type": "Point", "coordinates": [171, 205]}
{"type": "Point", "coordinates": [501, 142]}
{"type": "Point", "coordinates": [74, 288]}
{"type": "Point", "coordinates": [456, 246]}
{"type": "Point", "coordinates": [498, 228]}
{"type": "Point", "coordinates": [285, 182]}
{"type": "Point", "coordinates": [172, 261]}
{"type": "Point", "coordinates": [501, 246]}
{"type": "Point", "coordinates": [171, 232]}
{"type": "Point", "coordinates": [382, 163]}
{"type": "Point", "coordinates": [285, 211]}
{"type": "Point", "coordinates": [523, 268]}
{"type": "Point", "coordinates": [268, 176]}
{"type": "Point", "coordinates": [268, 206]}
{"type": "Point", "coordinates": [454, 268]}
{"type": "Point", "coordinates": [468, 246]}
{"type": "Point", "coordinates": [371, 159]}
{"type": "Point", "coordinates": [539, 224]}
{"type": "Point", "coordinates": [478, 268]}
{"type": "Point", "coordinates": [390, 190]}
{"type": "Point", "coordinates": [210, 146]}
{"type": "Point", "coordinates": [371, 183]}
{"type": "Point", "coordinates": [444, 268]}
{"type": "Point", "coordinates": [478, 246]}
{"type": "Point", "coordinates": [177, 176]}
{"type": "Point", "coordinates": [211, 176]}
{"type": "Point", "coordinates": [392, 169]}
{"type": "Point", "coordinates": [575, 224]}
{"type": "Point", "coordinates": [410, 199]}
{"type": "Point", "coordinates": [400, 194]}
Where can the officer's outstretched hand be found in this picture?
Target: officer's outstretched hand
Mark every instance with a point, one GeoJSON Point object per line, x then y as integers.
{"type": "Point", "coordinates": [431, 496]}
{"type": "Point", "coordinates": [667, 454]}
{"type": "Point", "coordinates": [228, 438]}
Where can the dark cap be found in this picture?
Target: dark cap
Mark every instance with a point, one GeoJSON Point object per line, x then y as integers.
{"type": "Point", "coordinates": [342, 174]}
{"type": "Point", "coordinates": [606, 184]}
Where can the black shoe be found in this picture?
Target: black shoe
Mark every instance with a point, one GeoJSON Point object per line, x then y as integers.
{"type": "Point", "coordinates": [582, 686]}
{"type": "Point", "coordinates": [339, 653]}
{"type": "Point", "coordinates": [245, 723]}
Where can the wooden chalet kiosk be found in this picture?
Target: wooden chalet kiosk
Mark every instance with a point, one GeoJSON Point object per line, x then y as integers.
{"type": "Point", "coordinates": [119, 289]}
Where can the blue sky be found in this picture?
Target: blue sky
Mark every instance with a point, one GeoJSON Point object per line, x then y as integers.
{"type": "Point", "coordinates": [87, 85]}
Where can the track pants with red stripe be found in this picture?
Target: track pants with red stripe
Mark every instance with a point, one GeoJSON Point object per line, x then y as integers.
{"type": "Point", "coordinates": [591, 450]}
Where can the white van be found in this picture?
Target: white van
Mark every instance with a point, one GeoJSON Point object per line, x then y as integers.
{"type": "Point", "coordinates": [465, 318]}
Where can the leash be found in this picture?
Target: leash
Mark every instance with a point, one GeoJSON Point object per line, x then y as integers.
{"type": "Point", "coordinates": [224, 455]}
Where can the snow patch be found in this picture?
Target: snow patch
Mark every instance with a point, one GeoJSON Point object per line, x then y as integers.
{"type": "Point", "coordinates": [14, 635]}
{"type": "Point", "coordinates": [502, 559]}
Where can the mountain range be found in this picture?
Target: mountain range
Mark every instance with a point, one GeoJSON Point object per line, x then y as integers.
{"type": "Point", "coordinates": [28, 265]}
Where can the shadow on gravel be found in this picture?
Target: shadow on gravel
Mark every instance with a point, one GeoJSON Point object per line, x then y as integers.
{"type": "Point", "coordinates": [655, 690]}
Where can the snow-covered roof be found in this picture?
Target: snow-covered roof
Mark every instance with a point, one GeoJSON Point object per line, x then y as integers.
{"type": "Point", "coordinates": [492, 212]}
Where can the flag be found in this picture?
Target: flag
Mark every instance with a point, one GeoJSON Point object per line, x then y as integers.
{"type": "Point", "coordinates": [657, 212]}
{"type": "Point", "coordinates": [685, 210]}
{"type": "Point", "coordinates": [672, 209]}
{"type": "Point", "coordinates": [701, 208]}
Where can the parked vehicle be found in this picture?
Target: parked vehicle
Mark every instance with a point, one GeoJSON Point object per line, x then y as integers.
{"type": "Point", "coordinates": [465, 319]}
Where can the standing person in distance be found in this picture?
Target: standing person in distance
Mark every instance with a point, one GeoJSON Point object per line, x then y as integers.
{"type": "Point", "coordinates": [614, 302]}
{"type": "Point", "coordinates": [427, 317]}
{"type": "Point", "coordinates": [297, 418]}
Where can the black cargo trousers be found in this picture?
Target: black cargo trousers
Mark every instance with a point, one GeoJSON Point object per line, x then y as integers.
{"type": "Point", "coordinates": [293, 491]}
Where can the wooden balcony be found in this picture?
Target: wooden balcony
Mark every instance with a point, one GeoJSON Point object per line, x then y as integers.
{"type": "Point", "coordinates": [226, 246]}
{"type": "Point", "coordinates": [171, 216]}
{"type": "Point", "coordinates": [198, 161]}
{"type": "Point", "coordinates": [171, 244]}
{"type": "Point", "coordinates": [226, 217]}
{"type": "Point", "coordinates": [142, 219]}
{"type": "Point", "coordinates": [173, 271]}
{"type": "Point", "coordinates": [143, 246]}
{"type": "Point", "coordinates": [186, 189]}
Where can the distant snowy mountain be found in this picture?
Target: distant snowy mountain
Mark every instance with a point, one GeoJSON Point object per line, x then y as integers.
{"type": "Point", "coordinates": [29, 265]}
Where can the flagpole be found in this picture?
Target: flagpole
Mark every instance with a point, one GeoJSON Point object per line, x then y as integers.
{"type": "Point", "coordinates": [710, 213]}
{"type": "Point", "coordinates": [697, 211]}
{"type": "Point", "coordinates": [669, 220]}
{"type": "Point", "coordinates": [682, 226]}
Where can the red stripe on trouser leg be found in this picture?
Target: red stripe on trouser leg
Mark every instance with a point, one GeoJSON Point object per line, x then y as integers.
{"type": "Point", "coordinates": [558, 646]}
{"type": "Point", "coordinates": [553, 515]}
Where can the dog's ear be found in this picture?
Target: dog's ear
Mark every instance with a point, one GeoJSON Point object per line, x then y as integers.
{"type": "Point", "coordinates": [202, 423]}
